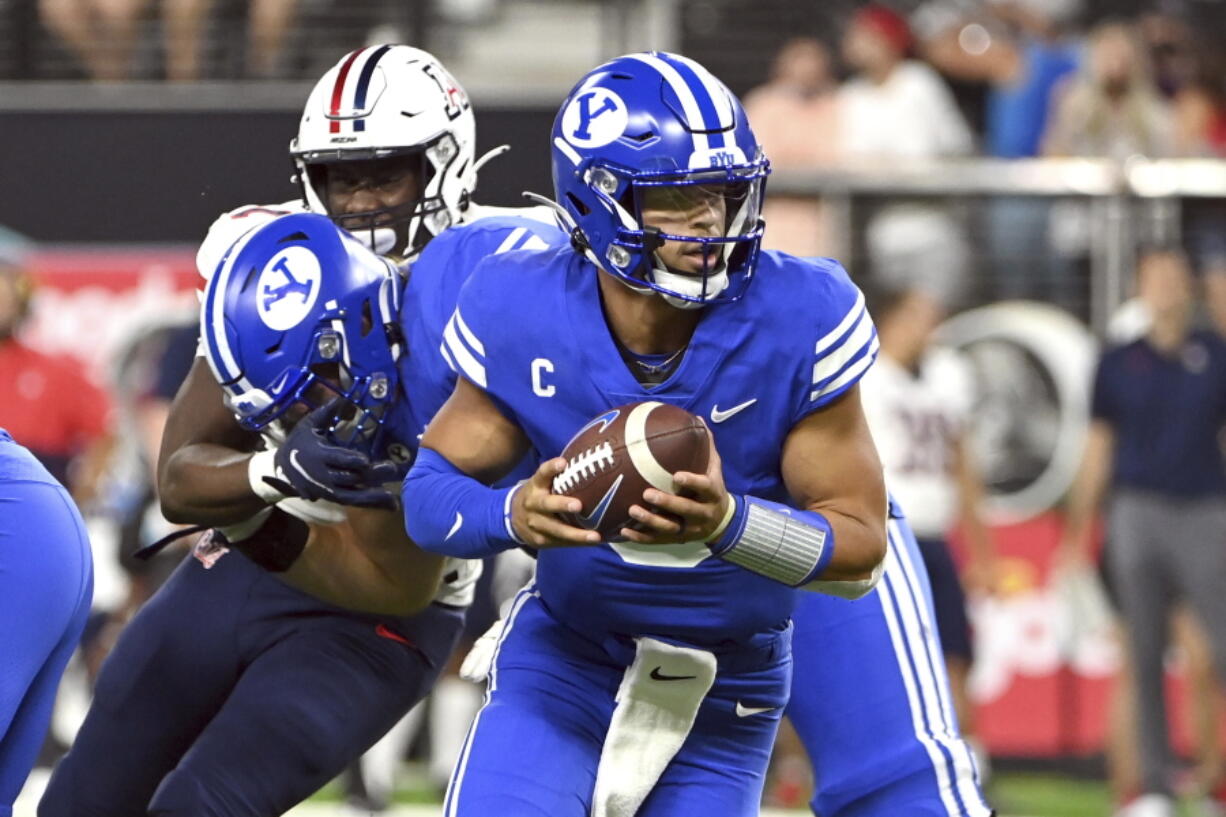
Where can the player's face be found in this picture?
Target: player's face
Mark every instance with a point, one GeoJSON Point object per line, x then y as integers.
{"type": "Point", "coordinates": [358, 187]}
{"type": "Point", "coordinates": [689, 210]}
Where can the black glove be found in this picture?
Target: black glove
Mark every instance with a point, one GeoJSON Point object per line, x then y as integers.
{"type": "Point", "coordinates": [313, 467]}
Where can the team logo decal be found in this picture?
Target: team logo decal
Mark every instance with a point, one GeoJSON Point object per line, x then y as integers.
{"type": "Point", "coordinates": [595, 117]}
{"type": "Point", "coordinates": [287, 288]}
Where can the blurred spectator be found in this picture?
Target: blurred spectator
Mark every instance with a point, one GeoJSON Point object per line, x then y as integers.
{"type": "Point", "coordinates": [918, 400]}
{"type": "Point", "coordinates": [1022, 50]}
{"type": "Point", "coordinates": [103, 34]}
{"type": "Point", "coordinates": [1200, 131]}
{"type": "Point", "coordinates": [794, 116]}
{"type": "Point", "coordinates": [1112, 108]}
{"type": "Point", "coordinates": [57, 413]}
{"type": "Point", "coordinates": [1158, 407]}
{"type": "Point", "coordinates": [268, 23]}
{"type": "Point", "coordinates": [895, 108]}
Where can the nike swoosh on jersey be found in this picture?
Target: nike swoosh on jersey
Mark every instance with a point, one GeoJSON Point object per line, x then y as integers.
{"type": "Point", "coordinates": [593, 520]}
{"type": "Point", "coordinates": [659, 676]}
{"type": "Point", "coordinates": [743, 711]}
{"type": "Point", "coordinates": [718, 416]}
{"type": "Point", "coordinates": [459, 520]}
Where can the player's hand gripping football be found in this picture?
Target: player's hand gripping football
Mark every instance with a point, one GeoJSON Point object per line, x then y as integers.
{"type": "Point", "coordinates": [311, 466]}
{"type": "Point", "coordinates": [693, 513]}
{"type": "Point", "coordinates": [535, 511]}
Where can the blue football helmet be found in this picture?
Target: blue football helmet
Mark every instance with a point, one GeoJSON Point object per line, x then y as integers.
{"type": "Point", "coordinates": [298, 312]}
{"type": "Point", "coordinates": [658, 120]}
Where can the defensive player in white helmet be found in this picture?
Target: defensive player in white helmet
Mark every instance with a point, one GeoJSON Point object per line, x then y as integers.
{"type": "Point", "coordinates": [308, 679]}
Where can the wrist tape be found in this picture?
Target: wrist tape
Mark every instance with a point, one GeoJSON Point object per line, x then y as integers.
{"type": "Point", "coordinates": [785, 544]}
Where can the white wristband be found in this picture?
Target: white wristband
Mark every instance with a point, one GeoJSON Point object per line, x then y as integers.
{"type": "Point", "coordinates": [262, 464]}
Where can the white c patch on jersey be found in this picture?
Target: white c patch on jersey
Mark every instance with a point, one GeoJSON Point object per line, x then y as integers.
{"type": "Point", "coordinates": [287, 288]}
{"type": "Point", "coordinates": [595, 117]}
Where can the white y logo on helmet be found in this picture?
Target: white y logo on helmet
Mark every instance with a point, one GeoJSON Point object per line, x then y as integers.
{"type": "Point", "coordinates": [595, 117]}
{"type": "Point", "coordinates": [287, 288]}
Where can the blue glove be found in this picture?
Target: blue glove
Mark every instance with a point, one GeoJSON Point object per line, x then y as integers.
{"type": "Point", "coordinates": [313, 467]}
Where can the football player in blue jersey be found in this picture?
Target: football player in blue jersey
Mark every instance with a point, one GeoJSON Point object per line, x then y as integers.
{"type": "Point", "coordinates": [46, 584]}
{"type": "Point", "coordinates": [259, 671]}
{"type": "Point", "coordinates": [648, 675]}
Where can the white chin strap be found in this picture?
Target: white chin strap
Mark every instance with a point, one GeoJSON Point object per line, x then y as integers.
{"type": "Point", "coordinates": [691, 286]}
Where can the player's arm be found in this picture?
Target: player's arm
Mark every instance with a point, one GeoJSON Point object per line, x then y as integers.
{"type": "Point", "coordinates": [367, 564]}
{"type": "Point", "coordinates": [448, 507]}
{"type": "Point", "coordinates": [830, 466]}
{"type": "Point", "coordinates": [1086, 493]}
{"type": "Point", "coordinates": [205, 457]}
{"type": "Point", "coordinates": [209, 472]}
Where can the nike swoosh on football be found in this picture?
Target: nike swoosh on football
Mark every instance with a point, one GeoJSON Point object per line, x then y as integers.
{"type": "Point", "coordinates": [459, 520]}
{"type": "Point", "coordinates": [659, 676]}
{"type": "Point", "coordinates": [718, 416]}
{"type": "Point", "coordinates": [593, 520]}
{"type": "Point", "coordinates": [743, 711]}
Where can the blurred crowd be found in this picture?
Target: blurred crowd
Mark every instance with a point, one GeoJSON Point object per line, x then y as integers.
{"type": "Point", "coordinates": [1008, 80]}
{"type": "Point", "coordinates": [941, 80]}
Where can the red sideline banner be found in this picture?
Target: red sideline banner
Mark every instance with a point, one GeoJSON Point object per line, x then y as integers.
{"type": "Point", "coordinates": [1043, 683]}
{"type": "Point", "coordinates": [90, 299]}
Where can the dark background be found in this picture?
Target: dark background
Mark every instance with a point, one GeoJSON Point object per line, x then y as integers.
{"type": "Point", "coordinates": [165, 176]}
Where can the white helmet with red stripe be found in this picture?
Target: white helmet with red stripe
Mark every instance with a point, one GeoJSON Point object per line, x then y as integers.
{"type": "Point", "coordinates": [384, 102]}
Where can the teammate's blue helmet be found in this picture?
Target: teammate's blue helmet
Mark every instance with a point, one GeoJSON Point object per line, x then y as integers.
{"type": "Point", "coordinates": [655, 120]}
{"type": "Point", "coordinates": [300, 312]}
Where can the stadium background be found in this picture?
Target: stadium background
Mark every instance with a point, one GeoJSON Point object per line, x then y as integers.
{"type": "Point", "coordinates": [114, 179]}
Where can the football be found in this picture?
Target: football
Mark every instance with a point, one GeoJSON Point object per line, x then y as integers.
{"type": "Point", "coordinates": [618, 455]}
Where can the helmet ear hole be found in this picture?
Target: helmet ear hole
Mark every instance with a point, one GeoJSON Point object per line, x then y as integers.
{"type": "Point", "coordinates": [578, 204]}
{"type": "Point", "coordinates": [368, 321]}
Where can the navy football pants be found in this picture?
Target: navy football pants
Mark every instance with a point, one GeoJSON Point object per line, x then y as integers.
{"type": "Point", "coordinates": [46, 584]}
{"type": "Point", "coordinates": [232, 694]}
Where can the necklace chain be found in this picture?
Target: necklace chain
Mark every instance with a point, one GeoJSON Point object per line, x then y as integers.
{"type": "Point", "coordinates": [653, 368]}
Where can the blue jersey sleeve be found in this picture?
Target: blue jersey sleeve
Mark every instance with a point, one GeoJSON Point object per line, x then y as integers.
{"type": "Point", "coordinates": [843, 344]}
{"type": "Point", "coordinates": [436, 278]}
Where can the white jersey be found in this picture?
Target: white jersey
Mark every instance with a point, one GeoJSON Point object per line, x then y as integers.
{"type": "Point", "coordinates": [916, 418]}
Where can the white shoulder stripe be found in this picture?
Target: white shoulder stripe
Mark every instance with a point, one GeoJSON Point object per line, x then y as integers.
{"type": "Point", "coordinates": [836, 333]}
{"type": "Point", "coordinates": [468, 334]}
{"type": "Point", "coordinates": [462, 357]}
{"type": "Point", "coordinates": [850, 374]}
{"type": "Point", "coordinates": [534, 242]}
{"type": "Point", "coordinates": [442, 347]}
{"type": "Point", "coordinates": [689, 105]}
{"type": "Point", "coordinates": [838, 357]}
{"type": "Point", "coordinates": [511, 240]}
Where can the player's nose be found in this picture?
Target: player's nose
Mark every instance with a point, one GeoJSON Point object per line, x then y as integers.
{"type": "Point", "coordinates": [362, 200]}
